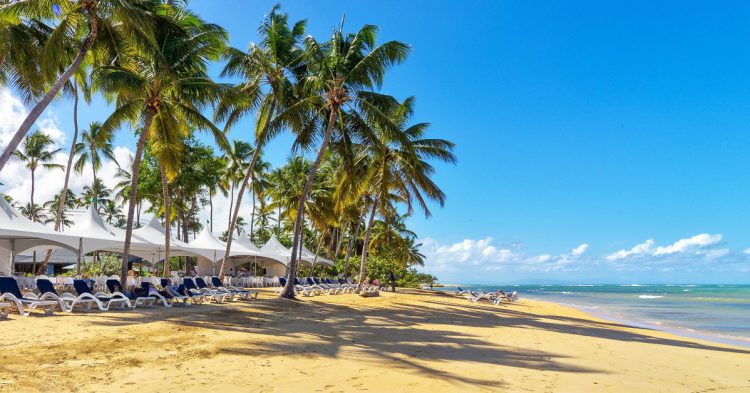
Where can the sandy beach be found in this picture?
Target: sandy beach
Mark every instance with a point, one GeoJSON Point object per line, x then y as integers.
{"type": "Point", "coordinates": [409, 341]}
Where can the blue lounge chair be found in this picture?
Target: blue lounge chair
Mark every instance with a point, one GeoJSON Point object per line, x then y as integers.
{"type": "Point", "coordinates": [151, 290]}
{"type": "Point", "coordinates": [204, 288]}
{"type": "Point", "coordinates": [210, 295]}
{"type": "Point", "coordinates": [113, 284]}
{"type": "Point", "coordinates": [9, 291]}
{"type": "Point", "coordinates": [67, 301]}
{"type": "Point", "coordinates": [244, 293]}
{"type": "Point", "coordinates": [195, 296]}
{"type": "Point", "coordinates": [101, 299]}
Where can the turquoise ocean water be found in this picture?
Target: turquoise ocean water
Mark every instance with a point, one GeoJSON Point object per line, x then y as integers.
{"type": "Point", "coordinates": [714, 312]}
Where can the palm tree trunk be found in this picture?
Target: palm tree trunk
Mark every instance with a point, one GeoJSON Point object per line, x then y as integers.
{"type": "Point", "coordinates": [340, 239]}
{"type": "Point", "coordinates": [288, 291]}
{"type": "Point", "coordinates": [248, 175]}
{"type": "Point", "coordinates": [95, 188]}
{"type": "Point", "coordinates": [231, 202]}
{"type": "Point", "coordinates": [32, 212]}
{"type": "Point", "coordinates": [47, 99]}
{"type": "Point", "coordinates": [211, 208]}
{"type": "Point", "coordinates": [64, 195]}
{"type": "Point", "coordinates": [233, 216]}
{"type": "Point", "coordinates": [278, 221]}
{"type": "Point", "coordinates": [133, 192]}
{"type": "Point", "coordinates": [167, 230]}
{"type": "Point", "coordinates": [352, 240]}
{"type": "Point", "coordinates": [364, 246]}
{"type": "Point", "coordinates": [252, 218]}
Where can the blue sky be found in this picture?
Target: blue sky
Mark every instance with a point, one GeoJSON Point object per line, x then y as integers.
{"type": "Point", "coordinates": [576, 123]}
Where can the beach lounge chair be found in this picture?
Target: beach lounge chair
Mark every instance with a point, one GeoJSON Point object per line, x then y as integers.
{"type": "Point", "coordinates": [112, 285]}
{"type": "Point", "coordinates": [4, 309]}
{"type": "Point", "coordinates": [101, 299]}
{"type": "Point", "coordinates": [154, 293]}
{"type": "Point", "coordinates": [201, 283]}
{"type": "Point", "coordinates": [196, 297]}
{"type": "Point", "coordinates": [10, 292]}
{"type": "Point", "coordinates": [67, 301]}
{"type": "Point", "coordinates": [216, 282]}
{"type": "Point", "coordinates": [174, 295]}
{"type": "Point", "coordinates": [299, 289]}
{"type": "Point", "coordinates": [208, 295]}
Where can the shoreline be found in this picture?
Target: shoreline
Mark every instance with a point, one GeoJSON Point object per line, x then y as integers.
{"type": "Point", "coordinates": [413, 339]}
{"type": "Point", "coordinates": [604, 314]}
{"type": "Point", "coordinates": [627, 313]}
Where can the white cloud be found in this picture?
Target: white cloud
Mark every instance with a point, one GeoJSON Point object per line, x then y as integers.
{"type": "Point", "coordinates": [692, 243]}
{"type": "Point", "coordinates": [638, 249]}
{"type": "Point", "coordinates": [699, 245]}
{"type": "Point", "coordinates": [579, 250]}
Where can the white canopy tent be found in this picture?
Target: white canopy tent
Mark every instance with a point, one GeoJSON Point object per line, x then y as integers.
{"type": "Point", "coordinates": [97, 235]}
{"type": "Point", "coordinates": [19, 234]}
{"type": "Point", "coordinates": [154, 233]}
{"type": "Point", "coordinates": [211, 251]}
{"type": "Point", "coordinates": [274, 264]}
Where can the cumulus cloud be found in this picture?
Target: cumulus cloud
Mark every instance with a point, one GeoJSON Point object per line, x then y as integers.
{"type": "Point", "coordinates": [639, 249]}
{"type": "Point", "coordinates": [689, 244]}
{"type": "Point", "coordinates": [700, 244]}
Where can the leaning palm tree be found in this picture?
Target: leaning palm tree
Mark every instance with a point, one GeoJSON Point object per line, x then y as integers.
{"type": "Point", "coordinates": [94, 144]}
{"type": "Point", "coordinates": [108, 27]}
{"type": "Point", "coordinates": [342, 74]}
{"type": "Point", "coordinates": [21, 42]}
{"type": "Point", "coordinates": [164, 89]}
{"type": "Point", "coordinates": [272, 63]}
{"type": "Point", "coordinates": [37, 151]}
{"type": "Point", "coordinates": [398, 168]}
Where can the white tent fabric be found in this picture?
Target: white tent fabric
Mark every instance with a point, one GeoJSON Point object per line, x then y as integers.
{"type": "Point", "coordinates": [154, 233]}
{"type": "Point", "coordinates": [209, 246]}
{"type": "Point", "coordinates": [310, 257]}
{"type": "Point", "coordinates": [274, 248]}
{"type": "Point", "coordinates": [18, 234]}
{"type": "Point", "coordinates": [27, 234]}
{"type": "Point", "coordinates": [97, 235]}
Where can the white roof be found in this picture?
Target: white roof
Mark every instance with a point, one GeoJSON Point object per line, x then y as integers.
{"type": "Point", "coordinates": [27, 234]}
{"type": "Point", "coordinates": [209, 246]}
{"type": "Point", "coordinates": [154, 233]}
{"type": "Point", "coordinates": [97, 235]}
{"type": "Point", "coordinates": [310, 257]}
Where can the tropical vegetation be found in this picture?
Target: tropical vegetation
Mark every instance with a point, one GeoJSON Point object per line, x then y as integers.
{"type": "Point", "coordinates": [358, 166]}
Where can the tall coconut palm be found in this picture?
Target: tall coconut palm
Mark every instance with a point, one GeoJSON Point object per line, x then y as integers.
{"type": "Point", "coordinates": [78, 85]}
{"type": "Point", "coordinates": [97, 192]}
{"type": "Point", "coordinates": [21, 42]}
{"type": "Point", "coordinates": [54, 206]}
{"type": "Point", "coordinates": [271, 65]}
{"type": "Point", "coordinates": [342, 74]}
{"type": "Point", "coordinates": [109, 27]}
{"type": "Point", "coordinates": [164, 89]}
{"type": "Point", "coordinates": [94, 144]}
{"type": "Point", "coordinates": [237, 162]}
{"type": "Point", "coordinates": [398, 168]}
{"type": "Point", "coordinates": [111, 212]}
{"type": "Point", "coordinates": [37, 151]}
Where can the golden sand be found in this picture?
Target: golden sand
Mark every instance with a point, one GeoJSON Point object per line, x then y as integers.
{"type": "Point", "coordinates": [415, 342]}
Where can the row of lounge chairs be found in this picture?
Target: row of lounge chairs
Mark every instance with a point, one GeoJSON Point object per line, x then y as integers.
{"type": "Point", "coordinates": [311, 286]}
{"type": "Point", "coordinates": [495, 297]}
{"type": "Point", "coordinates": [47, 299]}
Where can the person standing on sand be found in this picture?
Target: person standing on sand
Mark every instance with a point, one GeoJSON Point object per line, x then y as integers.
{"type": "Point", "coordinates": [392, 279]}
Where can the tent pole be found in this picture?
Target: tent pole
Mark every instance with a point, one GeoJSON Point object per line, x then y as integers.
{"type": "Point", "coordinates": [12, 257]}
{"type": "Point", "coordinates": [78, 263]}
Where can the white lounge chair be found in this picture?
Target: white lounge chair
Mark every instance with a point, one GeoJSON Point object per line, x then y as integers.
{"type": "Point", "coordinates": [10, 292]}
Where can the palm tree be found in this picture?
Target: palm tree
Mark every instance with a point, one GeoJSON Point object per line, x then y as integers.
{"type": "Point", "coordinates": [398, 169]}
{"type": "Point", "coordinates": [78, 83]}
{"type": "Point", "coordinates": [165, 89]}
{"type": "Point", "coordinates": [237, 162]}
{"type": "Point", "coordinates": [54, 206]}
{"type": "Point", "coordinates": [33, 212]}
{"type": "Point", "coordinates": [94, 144]}
{"type": "Point", "coordinates": [111, 212]}
{"type": "Point", "coordinates": [35, 153]}
{"type": "Point", "coordinates": [103, 25]}
{"type": "Point", "coordinates": [95, 193]}
{"type": "Point", "coordinates": [258, 185]}
{"type": "Point", "coordinates": [342, 74]}
{"type": "Point", "coordinates": [271, 63]}
{"type": "Point", "coordinates": [20, 50]}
